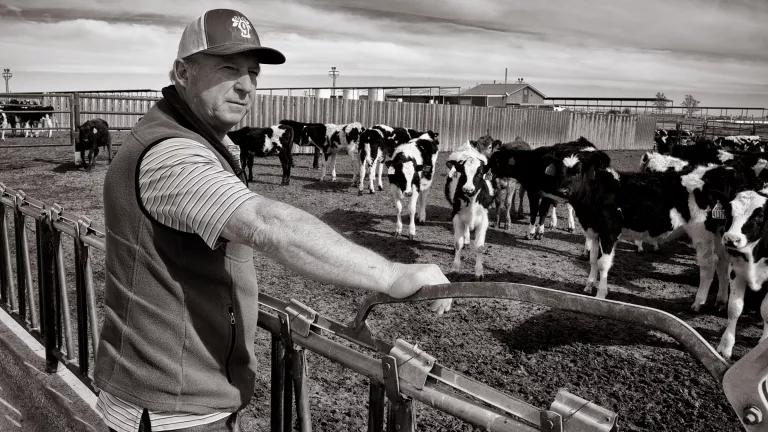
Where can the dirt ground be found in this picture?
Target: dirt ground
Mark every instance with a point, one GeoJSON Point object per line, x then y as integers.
{"type": "Point", "coordinates": [525, 350]}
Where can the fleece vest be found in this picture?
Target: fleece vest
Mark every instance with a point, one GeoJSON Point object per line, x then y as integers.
{"type": "Point", "coordinates": [179, 317]}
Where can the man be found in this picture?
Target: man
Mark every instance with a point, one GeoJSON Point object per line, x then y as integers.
{"type": "Point", "coordinates": [176, 347]}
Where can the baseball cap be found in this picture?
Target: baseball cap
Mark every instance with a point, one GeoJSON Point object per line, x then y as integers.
{"type": "Point", "coordinates": [222, 32]}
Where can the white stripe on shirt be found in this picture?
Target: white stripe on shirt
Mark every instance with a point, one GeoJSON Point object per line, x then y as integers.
{"type": "Point", "coordinates": [124, 416]}
{"type": "Point", "coordinates": [183, 186]}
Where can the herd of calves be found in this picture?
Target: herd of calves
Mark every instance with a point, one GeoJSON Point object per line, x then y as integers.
{"type": "Point", "coordinates": [713, 191]}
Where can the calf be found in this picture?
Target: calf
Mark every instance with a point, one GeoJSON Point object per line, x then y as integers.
{"type": "Point", "coordinates": [529, 168]}
{"type": "Point", "coordinates": [658, 162]}
{"type": "Point", "coordinates": [93, 134]}
{"type": "Point", "coordinates": [746, 241]}
{"type": "Point", "coordinates": [469, 194]}
{"type": "Point", "coordinates": [667, 140]}
{"type": "Point", "coordinates": [263, 142]}
{"type": "Point", "coordinates": [508, 189]}
{"type": "Point", "coordinates": [3, 124]}
{"type": "Point", "coordinates": [749, 143]}
{"type": "Point", "coordinates": [301, 138]}
{"type": "Point", "coordinates": [342, 139]}
{"type": "Point", "coordinates": [653, 206]}
{"type": "Point", "coordinates": [373, 151]}
{"type": "Point", "coordinates": [408, 178]}
{"type": "Point", "coordinates": [37, 117]}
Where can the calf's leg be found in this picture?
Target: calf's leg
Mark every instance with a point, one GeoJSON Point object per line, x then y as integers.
{"type": "Point", "coordinates": [735, 307]}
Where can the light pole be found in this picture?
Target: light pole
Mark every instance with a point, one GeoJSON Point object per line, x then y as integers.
{"type": "Point", "coordinates": [7, 76]}
{"type": "Point", "coordinates": [333, 73]}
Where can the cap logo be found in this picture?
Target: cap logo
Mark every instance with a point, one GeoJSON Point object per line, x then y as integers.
{"type": "Point", "coordinates": [243, 25]}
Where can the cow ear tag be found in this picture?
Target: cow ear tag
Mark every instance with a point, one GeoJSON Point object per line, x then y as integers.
{"type": "Point", "coordinates": [718, 212]}
{"type": "Point", "coordinates": [550, 171]}
{"type": "Point", "coordinates": [94, 131]}
{"type": "Point", "coordinates": [391, 170]}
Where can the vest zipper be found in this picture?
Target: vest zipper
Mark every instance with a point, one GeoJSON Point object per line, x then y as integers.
{"type": "Point", "coordinates": [233, 333]}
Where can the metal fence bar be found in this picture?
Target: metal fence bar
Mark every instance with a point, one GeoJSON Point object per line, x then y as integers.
{"type": "Point", "coordinates": [62, 288]}
{"type": "Point", "coordinates": [49, 324]}
{"type": "Point", "coordinates": [7, 290]}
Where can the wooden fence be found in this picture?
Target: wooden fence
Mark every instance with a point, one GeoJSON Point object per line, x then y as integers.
{"type": "Point", "coordinates": [459, 123]}
{"type": "Point", "coordinates": [455, 123]}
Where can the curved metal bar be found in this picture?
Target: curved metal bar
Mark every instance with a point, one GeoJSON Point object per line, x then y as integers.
{"type": "Point", "coordinates": [645, 316]}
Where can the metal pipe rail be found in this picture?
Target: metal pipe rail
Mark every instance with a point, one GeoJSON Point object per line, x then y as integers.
{"type": "Point", "coordinates": [644, 316]}
{"type": "Point", "coordinates": [54, 323]}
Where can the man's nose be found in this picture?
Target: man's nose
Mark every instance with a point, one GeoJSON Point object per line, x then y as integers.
{"type": "Point", "coordinates": [245, 84]}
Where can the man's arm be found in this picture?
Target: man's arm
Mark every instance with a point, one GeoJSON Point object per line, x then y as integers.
{"type": "Point", "coordinates": [310, 247]}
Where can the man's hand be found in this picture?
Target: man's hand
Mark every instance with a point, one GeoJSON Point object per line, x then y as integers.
{"type": "Point", "coordinates": [414, 276]}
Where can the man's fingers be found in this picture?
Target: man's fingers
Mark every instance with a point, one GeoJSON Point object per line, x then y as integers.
{"type": "Point", "coordinates": [441, 306]}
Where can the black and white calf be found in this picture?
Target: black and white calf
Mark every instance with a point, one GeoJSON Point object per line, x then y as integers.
{"type": "Point", "coordinates": [91, 135]}
{"type": "Point", "coordinates": [653, 206]}
{"type": "Point", "coordinates": [746, 240]}
{"type": "Point", "coordinates": [749, 143]}
{"type": "Point", "coordinates": [4, 124]}
{"type": "Point", "coordinates": [669, 139]}
{"type": "Point", "coordinates": [261, 142]}
{"type": "Point", "coordinates": [341, 139]}
{"type": "Point", "coordinates": [374, 149]}
{"type": "Point", "coordinates": [469, 194]}
{"type": "Point", "coordinates": [529, 167]}
{"type": "Point", "coordinates": [409, 178]}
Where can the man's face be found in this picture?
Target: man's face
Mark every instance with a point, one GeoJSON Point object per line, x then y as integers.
{"type": "Point", "coordinates": [220, 89]}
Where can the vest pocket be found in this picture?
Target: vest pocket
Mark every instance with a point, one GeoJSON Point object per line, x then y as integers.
{"type": "Point", "coordinates": [232, 340]}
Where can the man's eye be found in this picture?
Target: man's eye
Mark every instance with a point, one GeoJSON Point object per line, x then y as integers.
{"type": "Point", "coordinates": [253, 73]}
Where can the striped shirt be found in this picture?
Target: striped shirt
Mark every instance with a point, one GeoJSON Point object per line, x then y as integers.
{"type": "Point", "coordinates": [183, 186]}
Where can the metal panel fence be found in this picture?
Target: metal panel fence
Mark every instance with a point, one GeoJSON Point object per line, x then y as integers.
{"type": "Point", "coordinates": [455, 123]}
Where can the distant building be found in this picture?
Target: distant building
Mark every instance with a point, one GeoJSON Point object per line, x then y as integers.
{"type": "Point", "coordinates": [518, 94]}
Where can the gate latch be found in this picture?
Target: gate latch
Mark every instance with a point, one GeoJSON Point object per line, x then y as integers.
{"type": "Point", "coordinates": [581, 415]}
{"type": "Point", "coordinates": [301, 317]}
{"type": "Point", "coordinates": [413, 364]}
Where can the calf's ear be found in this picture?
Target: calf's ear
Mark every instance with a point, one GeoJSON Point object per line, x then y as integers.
{"type": "Point", "coordinates": [511, 161]}
{"type": "Point", "coordinates": [550, 170]}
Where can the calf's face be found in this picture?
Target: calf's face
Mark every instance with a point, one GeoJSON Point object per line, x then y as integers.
{"type": "Point", "coordinates": [470, 174]}
{"type": "Point", "coordinates": [403, 173]}
{"type": "Point", "coordinates": [87, 134]}
{"type": "Point", "coordinates": [745, 222]}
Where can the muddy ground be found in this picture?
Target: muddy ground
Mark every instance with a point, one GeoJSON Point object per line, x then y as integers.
{"type": "Point", "coordinates": [525, 350]}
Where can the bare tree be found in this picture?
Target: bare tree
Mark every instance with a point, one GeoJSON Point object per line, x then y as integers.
{"type": "Point", "coordinates": [691, 105]}
{"type": "Point", "coordinates": [661, 102]}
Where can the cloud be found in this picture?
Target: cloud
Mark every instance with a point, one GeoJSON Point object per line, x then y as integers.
{"type": "Point", "coordinates": [654, 45]}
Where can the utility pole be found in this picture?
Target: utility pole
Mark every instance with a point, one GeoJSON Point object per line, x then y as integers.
{"type": "Point", "coordinates": [505, 76]}
{"type": "Point", "coordinates": [7, 75]}
{"type": "Point", "coordinates": [333, 73]}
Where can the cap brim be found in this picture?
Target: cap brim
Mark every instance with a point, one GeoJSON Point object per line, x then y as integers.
{"type": "Point", "coordinates": [265, 55]}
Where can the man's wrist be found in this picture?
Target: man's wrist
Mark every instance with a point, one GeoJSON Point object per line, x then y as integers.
{"type": "Point", "coordinates": [396, 271]}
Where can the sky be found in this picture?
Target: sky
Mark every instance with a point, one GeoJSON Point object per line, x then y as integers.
{"type": "Point", "coordinates": [715, 50]}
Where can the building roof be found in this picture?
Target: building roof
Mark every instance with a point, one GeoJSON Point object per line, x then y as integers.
{"type": "Point", "coordinates": [422, 91]}
{"type": "Point", "coordinates": [498, 89]}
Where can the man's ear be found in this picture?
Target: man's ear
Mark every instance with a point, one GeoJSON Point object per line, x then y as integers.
{"type": "Point", "coordinates": [182, 71]}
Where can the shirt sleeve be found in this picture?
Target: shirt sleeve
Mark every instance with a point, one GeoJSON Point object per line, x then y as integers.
{"type": "Point", "coordinates": [183, 186]}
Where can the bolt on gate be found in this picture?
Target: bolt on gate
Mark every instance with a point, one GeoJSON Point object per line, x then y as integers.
{"type": "Point", "coordinates": [399, 373]}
